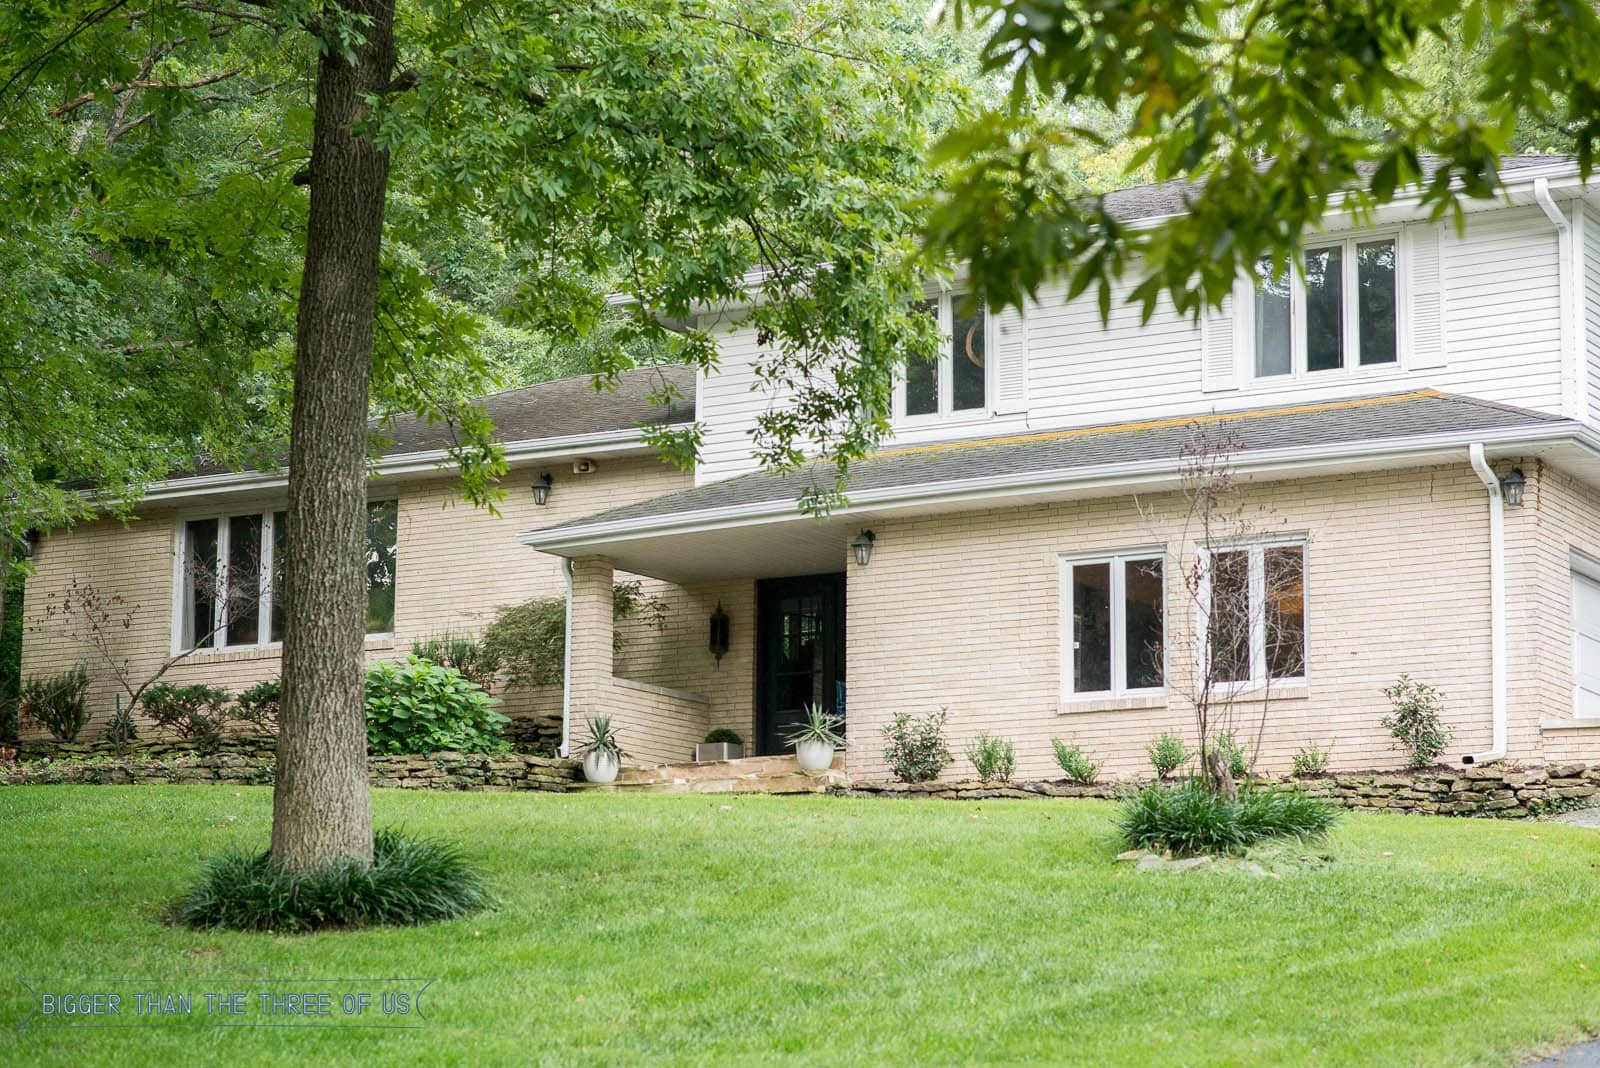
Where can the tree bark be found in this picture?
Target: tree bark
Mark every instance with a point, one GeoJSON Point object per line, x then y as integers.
{"type": "Point", "coordinates": [322, 805]}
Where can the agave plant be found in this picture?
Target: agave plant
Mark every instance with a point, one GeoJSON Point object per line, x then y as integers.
{"type": "Point", "coordinates": [818, 726]}
{"type": "Point", "coordinates": [602, 738]}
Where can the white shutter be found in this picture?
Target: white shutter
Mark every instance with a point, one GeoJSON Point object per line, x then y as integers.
{"type": "Point", "coordinates": [1219, 347]}
{"type": "Point", "coordinates": [1011, 363]}
{"type": "Point", "coordinates": [1423, 327]}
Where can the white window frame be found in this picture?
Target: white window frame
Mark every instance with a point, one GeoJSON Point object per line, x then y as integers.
{"type": "Point", "coordinates": [1299, 344]}
{"type": "Point", "coordinates": [1258, 617]}
{"type": "Point", "coordinates": [946, 372]}
{"type": "Point", "coordinates": [182, 581]}
{"type": "Point", "coordinates": [1118, 562]}
{"type": "Point", "coordinates": [1580, 565]}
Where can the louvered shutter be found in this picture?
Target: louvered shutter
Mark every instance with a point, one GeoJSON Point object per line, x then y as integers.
{"type": "Point", "coordinates": [1011, 363]}
{"type": "Point", "coordinates": [1424, 312]}
{"type": "Point", "coordinates": [1219, 347]}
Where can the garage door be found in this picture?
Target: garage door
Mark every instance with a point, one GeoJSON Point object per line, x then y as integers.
{"type": "Point", "coordinates": [1586, 645]}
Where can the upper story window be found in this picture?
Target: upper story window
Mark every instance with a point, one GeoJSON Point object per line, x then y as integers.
{"type": "Point", "coordinates": [1114, 618]}
{"type": "Point", "coordinates": [233, 563]}
{"type": "Point", "coordinates": [1339, 315]}
{"type": "Point", "coordinates": [957, 382]}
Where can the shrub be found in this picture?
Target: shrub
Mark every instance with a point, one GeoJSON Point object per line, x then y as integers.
{"type": "Point", "coordinates": [259, 705]}
{"type": "Point", "coordinates": [528, 641]}
{"type": "Point", "coordinates": [475, 660]}
{"type": "Point", "coordinates": [917, 751]}
{"type": "Point", "coordinates": [189, 711]}
{"type": "Point", "coordinates": [1190, 819]}
{"type": "Point", "coordinates": [416, 706]}
{"type": "Point", "coordinates": [994, 758]}
{"type": "Point", "coordinates": [411, 881]}
{"type": "Point", "coordinates": [1238, 759]}
{"type": "Point", "coordinates": [1078, 767]}
{"type": "Point", "coordinates": [1167, 753]}
{"type": "Point", "coordinates": [56, 703]}
{"type": "Point", "coordinates": [1311, 760]}
{"type": "Point", "coordinates": [722, 734]}
{"type": "Point", "coordinates": [1414, 723]}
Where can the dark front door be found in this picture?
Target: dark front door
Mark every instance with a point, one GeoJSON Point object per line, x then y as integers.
{"type": "Point", "coordinates": [800, 625]}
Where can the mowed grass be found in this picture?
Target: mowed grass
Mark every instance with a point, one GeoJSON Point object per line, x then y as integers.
{"type": "Point", "coordinates": [708, 929]}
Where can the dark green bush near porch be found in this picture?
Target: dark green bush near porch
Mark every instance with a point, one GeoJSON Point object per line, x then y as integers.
{"type": "Point", "coordinates": [1190, 819]}
{"type": "Point", "coordinates": [416, 706]}
{"type": "Point", "coordinates": [411, 881]}
{"type": "Point", "coordinates": [56, 703]}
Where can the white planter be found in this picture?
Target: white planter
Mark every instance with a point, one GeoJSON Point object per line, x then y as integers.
{"type": "Point", "coordinates": [814, 755]}
{"type": "Point", "coordinates": [601, 767]}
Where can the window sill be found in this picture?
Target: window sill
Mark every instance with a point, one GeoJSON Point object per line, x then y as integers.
{"type": "Point", "coordinates": [1312, 380]}
{"type": "Point", "coordinates": [1280, 691]}
{"type": "Point", "coordinates": [1073, 705]}
{"type": "Point", "coordinates": [266, 652]}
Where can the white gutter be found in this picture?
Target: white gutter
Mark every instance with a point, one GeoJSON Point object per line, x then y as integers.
{"type": "Point", "coordinates": [1299, 460]}
{"type": "Point", "coordinates": [566, 665]}
{"type": "Point", "coordinates": [1541, 196]}
{"type": "Point", "coordinates": [1497, 610]}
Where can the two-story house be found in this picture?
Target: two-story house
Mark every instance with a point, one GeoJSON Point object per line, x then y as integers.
{"type": "Point", "coordinates": [1406, 433]}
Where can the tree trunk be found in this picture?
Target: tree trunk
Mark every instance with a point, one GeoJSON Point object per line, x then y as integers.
{"type": "Point", "coordinates": [1216, 762]}
{"type": "Point", "coordinates": [322, 805]}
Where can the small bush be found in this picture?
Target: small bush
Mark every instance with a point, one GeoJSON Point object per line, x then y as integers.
{"type": "Point", "coordinates": [411, 881]}
{"type": "Point", "coordinates": [416, 706]}
{"type": "Point", "coordinates": [1190, 819]}
{"type": "Point", "coordinates": [995, 759]}
{"type": "Point", "coordinates": [1238, 759]}
{"type": "Point", "coordinates": [1414, 723]}
{"type": "Point", "coordinates": [1311, 760]}
{"type": "Point", "coordinates": [189, 711]}
{"type": "Point", "coordinates": [259, 705]}
{"type": "Point", "coordinates": [1167, 753]}
{"type": "Point", "coordinates": [722, 734]}
{"type": "Point", "coordinates": [473, 659]}
{"type": "Point", "coordinates": [917, 751]}
{"type": "Point", "coordinates": [122, 729]}
{"type": "Point", "coordinates": [1078, 767]}
{"type": "Point", "coordinates": [56, 703]}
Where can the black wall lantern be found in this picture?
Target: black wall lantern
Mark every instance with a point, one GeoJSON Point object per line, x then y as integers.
{"type": "Point", "coordinates": [541, 490]}
{"type": "Point", "coordinates": [1512, 486]}
{"type": "Point", "coordinates": [863, 547]}
{"type": "Point", "coordinates": [721, 627]}
{"type": "Point", "coordinates": [30, 543]}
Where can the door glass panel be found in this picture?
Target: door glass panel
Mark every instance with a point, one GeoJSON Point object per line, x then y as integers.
{"type": "Point", "coordinates": [1375, 301]}
{"type": "Point", "coordinates": [1230, 616]}
{"type": "Point", "coordinates": [244, 579]}
{"type": "Point", "coordinates": [967, 360]}
{"type": "Point", "coordinates": [1091, 628]}
{"type": "Point", "coordinates": [1325, 309]}
{"type": "Point", "coordinates": [1141, 615]}
{"type": "Point", "coordinates": [1285, 607]}
{"type": "Point", "coordinates": [1272, 320]}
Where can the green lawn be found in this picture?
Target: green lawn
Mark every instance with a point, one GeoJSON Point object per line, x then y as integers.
{"type": "Point", "coordinates": [707, 929]}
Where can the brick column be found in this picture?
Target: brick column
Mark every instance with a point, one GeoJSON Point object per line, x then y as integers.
{"type": "Point", "coordinates": [589, 655]}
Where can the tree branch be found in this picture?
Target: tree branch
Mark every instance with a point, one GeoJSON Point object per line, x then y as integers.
{"type": "Point", "coordinates": [72, 105]}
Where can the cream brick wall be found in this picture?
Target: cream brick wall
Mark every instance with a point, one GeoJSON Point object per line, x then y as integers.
{"type": "Point", "coordinates": [961, 611]}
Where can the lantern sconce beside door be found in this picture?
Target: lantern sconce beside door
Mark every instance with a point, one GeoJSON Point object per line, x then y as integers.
{"type": "Point", "coordinates": [721, 628]}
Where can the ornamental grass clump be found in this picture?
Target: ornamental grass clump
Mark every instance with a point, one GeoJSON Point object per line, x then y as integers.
{"type": "Point", "coordinates": [1191, 820]}
{"type": "Point", "coordinates": [411, 881]}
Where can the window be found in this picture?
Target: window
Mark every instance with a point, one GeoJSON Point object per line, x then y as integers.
{"type": "Point", "coordinates": [232, 564]}
{"type": "Point", "coordinates": [1340, 314]}
{"type": "Point", "coordinates": [957, 382]}
{"type": "Point", "coordinates": [1256, 614]}
{"type": "Point", "coordinates": [1113, 610]}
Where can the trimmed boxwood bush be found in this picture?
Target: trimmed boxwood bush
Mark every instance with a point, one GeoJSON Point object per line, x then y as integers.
{"type": "Point", "coordinates": [56, 703]}
{"type": "Point", "coordinates": [1190, 819]}
{"type": "Point", "coordinates": [411, 881]}
{"type": "Point", "coordinates": [416, 706]}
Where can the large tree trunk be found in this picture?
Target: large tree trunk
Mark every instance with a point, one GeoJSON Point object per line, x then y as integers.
{"type": "Point", "coordinates": [322, 806]}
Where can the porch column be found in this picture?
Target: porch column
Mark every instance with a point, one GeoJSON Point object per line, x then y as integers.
{"type": "Point", "coordinates": [590, 635]}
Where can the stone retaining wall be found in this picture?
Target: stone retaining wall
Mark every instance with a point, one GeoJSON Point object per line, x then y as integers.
{"type": "Point", "coordinates": [1506, 793]}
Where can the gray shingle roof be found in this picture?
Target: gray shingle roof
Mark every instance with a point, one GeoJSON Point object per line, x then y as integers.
{"type": "Point", "coordinates": [1081, 451]}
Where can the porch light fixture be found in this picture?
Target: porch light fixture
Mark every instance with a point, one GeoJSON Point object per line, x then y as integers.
{"type": "Point", "coordinates": [1511, 486]}
{"type": "Point", "coordinates": [721, 627]}
{"type": "Point", "coordinates": [862, 544]}
{"type": "Point", "coordinates": [541, 490]}
{"type": "Point", "coordinates": [30, 543]}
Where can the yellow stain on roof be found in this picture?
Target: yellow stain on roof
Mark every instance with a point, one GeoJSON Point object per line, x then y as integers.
{"type": "Point", "coordinates": [1163, 424]}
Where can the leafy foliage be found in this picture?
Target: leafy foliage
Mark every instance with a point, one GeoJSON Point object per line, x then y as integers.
{"type": "Point", "coordinates": [415, 706]}
{"type": "Point", "coordinates": [1074, 762]}
{"type": "Point", "coordinates": [1190, 819]}
{"type": "Point", "coordinates": [410, 881]}
{"type": "Point", "coordinates": [195, 711]}
{"type": "Point", "coordinates": [472, 658]}
{"type": "Point", "coordinates": [1167, 753]}
{"type": "Point", "coordinates": [56, 703]}
{"type": "Point", "coordinates": [1236, 756]}
{"type": "Point", "coordinates": [1310, 760]}
{"type": "Point", "coordinates": [259, 705]}
{"type": "Point", "coordinates": [602, 738]}
{"type": "Point", "coordinates": [916, 749]}
{"type": "Point", "coordinates": [994, 759]}
{"type": "Point", "coordinates": [1415, 722]}
{"type": "Point", "coordinates": [722, 734]}
{"type": "Point", "coordinates": [528, 641]}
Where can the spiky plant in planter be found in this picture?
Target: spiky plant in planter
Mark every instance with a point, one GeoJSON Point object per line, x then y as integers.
{"type": "Point", "coordinates": [602, 753]}
{"type": "Point", "coordinates": [816, 739]}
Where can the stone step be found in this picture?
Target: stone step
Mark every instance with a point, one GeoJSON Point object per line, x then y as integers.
{"type": "Point", "coordinates": [744, 768]}
{"type": "Point", "coordinates": [750, 775]}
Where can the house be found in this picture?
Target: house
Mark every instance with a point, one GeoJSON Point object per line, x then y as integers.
{"type": "Point", "coordinates": [1409, 431]}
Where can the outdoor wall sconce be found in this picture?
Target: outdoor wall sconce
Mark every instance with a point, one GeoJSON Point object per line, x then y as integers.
{"type": "Point", "coordinates": [862, 544]}
{"type": "Point", "coordinates": [30, 543]}
{"type": "Point", "coordinates": [1512, 486]}
{"type": "Point", "coordinates": [541, 490]}
{"type": "Point", "coordinates": [721, 627]}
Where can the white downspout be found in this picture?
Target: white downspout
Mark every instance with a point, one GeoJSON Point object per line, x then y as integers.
{"type": "Point", "coordinates": [1497, 611]}
{"type": "Point", "coordinates": [1541, 196]}
{"type": "Point", "coordinates": [566, 665]}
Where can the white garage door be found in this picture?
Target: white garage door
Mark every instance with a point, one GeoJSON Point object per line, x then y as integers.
{"type": "Point", "coordinates": [1586, 644]}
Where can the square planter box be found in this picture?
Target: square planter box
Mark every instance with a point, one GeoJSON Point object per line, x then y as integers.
{"type": "Point", "coordinates": [705, 751]}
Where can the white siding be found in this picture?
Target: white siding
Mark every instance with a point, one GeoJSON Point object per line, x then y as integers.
{"type": "Point", "coordinates": [1591, 310]}
{"type": "Point", "coordinates": [1501, 341]}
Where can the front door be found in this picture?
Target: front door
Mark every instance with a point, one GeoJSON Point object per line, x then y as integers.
{"type": "Point", "coordinates": [800, 642]}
